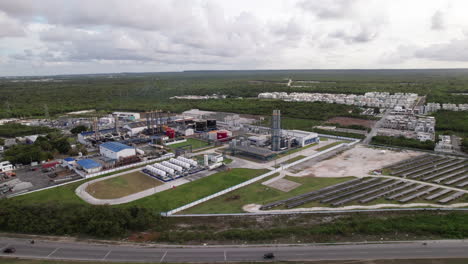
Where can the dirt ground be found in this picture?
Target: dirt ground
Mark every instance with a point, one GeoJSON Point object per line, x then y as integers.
{"type": "Point", "coordinates": [357, 161]}
{"type": "Point", "coordinates": [346, 121]}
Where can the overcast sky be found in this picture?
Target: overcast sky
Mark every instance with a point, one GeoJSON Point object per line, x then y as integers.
{"type": "Point", "coordinates": [41, 37]}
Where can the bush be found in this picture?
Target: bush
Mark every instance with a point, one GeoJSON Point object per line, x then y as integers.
{"type": "Point", "coordinates": [59, 219]}
{"type": "Point", "coordinates": [403, 142]}
{"type": "Point", "coordinates": [17, 130]}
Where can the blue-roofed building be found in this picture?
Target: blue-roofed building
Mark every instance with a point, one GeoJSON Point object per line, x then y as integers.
{"type": "Point", "coordinates": [89, 165]}
{"type": "Point", "coordinates": [116, 150]}
{"type": "Point", "coordinates": [69, 161]}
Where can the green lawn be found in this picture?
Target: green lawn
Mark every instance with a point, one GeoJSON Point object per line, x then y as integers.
{"type": "Point", "coordinates": [195, 190]}
{"type": "Point", "coordinates": [260, 194]}
{"type": "Point", "coordinates": [291, 160]}
{"type": "Point", "coordinates": [330, 145]}
{"type": "Point", "coordinates": [295, 150]}
{"type": "Point", "coordinates": [162, 201]}
{"type": "Point", "coordinates": [196, 144]}
{"type": "Point", "coordinates": [123, 185]}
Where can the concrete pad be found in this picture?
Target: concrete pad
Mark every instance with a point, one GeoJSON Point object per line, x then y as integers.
{"type": "Point", "coordinates": [283, 185]}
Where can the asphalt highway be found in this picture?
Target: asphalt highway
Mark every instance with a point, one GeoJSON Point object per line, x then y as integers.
{"type": "Point", "coordinates": [119, 253]}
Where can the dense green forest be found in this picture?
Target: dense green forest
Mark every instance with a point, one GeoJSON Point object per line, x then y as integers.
{"type": "Point", "coordinates": [146, 91]}
{"type": "Point", "coordinates": [451, 121]}
{"type": "Point", "coordinates": [18, 130]}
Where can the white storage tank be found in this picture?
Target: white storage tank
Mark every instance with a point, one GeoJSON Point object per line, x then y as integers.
{"type": "Point", "coordinates": [172, 166]}
{"type": "Point", "coordinates": [189, 161]}
{"type": "Point", "coordinates": [164, 168]}
{"type": "Point", "coordinates": [180, 163]}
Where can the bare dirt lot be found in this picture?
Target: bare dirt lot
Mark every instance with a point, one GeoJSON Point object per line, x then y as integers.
{"type": "Point", "coordinates": [346, 121]}
{"type": "Point", "coordinates": [357, 161]}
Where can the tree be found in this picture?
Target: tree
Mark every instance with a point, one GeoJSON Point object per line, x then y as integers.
{"type": "Point", "coordinates": [79, 129]}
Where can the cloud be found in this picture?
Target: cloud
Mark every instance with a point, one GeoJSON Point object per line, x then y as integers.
{"type": "Point", "coordinates": [329, 9]}
{"type": "Point", "coordinates": [10, 27]}
{"type": "Point", "coordinates": [438, 21]}
{"type": "Point", "coordinates": [357, 34]}
{"type": "Point", "coordinates": [455, 50]}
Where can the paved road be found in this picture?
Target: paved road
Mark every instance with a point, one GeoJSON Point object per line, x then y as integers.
{"type": "Point", "coordinates": [81, 251]}
{"type": "Point", "coordinates": [375, 128]}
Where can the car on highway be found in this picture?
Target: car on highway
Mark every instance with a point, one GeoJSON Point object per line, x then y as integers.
{"type": "Point", "coordinates": [9, 250]}
{"type": "Point", "coordinates": [269, 255]}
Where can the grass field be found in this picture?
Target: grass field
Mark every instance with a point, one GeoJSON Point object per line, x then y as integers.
{"type": "Point", "coordinates": [123, 185]}
{"type": "Point", "coordinates": [162, 201]}
{"type": "Point", "coordinates": [329, 145]}
{"type": "Point", "coordinates": [64, 194]}
{"type": "Point", "coordinates": [295, 150]}
{"type": "Point", "coordinates": [260, 194]}
{"type": "Point", "coordinates": [196, 144]}
{"type": "Point", "coordinates": [291, 160]}
{"type": "Point", "coordinates": [195, 190]}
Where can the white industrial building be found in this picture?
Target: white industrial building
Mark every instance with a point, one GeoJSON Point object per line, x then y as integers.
{"type": "Point", "coordinates": [303, 138]}
{"type": "Point", "coordinates": [116, 150]}
{"type": "Point", "coordinates": [127, 115]}
{"type": "Point", "coordinates": [135, 128]}
{"type": "Point", "coordinates": [6, 166]}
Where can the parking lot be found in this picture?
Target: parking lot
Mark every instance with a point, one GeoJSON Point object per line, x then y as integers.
{"type": "Point", "coordinates": [32, 178]}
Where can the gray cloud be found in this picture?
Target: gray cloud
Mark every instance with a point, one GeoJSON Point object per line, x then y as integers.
{"type": "Point", "coordinates": [10, 27]}
{"type": "Point", "coordinates": [438, 21]}
{"type": "Point", "coordinates": [329, 9]}
{"type": "Point", "coordinates": [358, 34]}
{"type": "Point", "coordinates": [454, 50]}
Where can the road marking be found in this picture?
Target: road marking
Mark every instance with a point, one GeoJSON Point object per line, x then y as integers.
{"type": "Point", "coordinates": [225, 258]}
{"type": "Point", "coordinates": [162, 258]}
{"type": "Point", "coordinates": [107, 254]}
{"type": "Point", "coordinates": [55, 250]}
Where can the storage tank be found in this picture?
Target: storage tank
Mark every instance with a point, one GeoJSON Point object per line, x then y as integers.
{"type": "Point", "coordinates": [164, 168]}
{"type": "Point", "coordinates": [180, 163]}
{"type": "Point", "coordinates": [155, 171]}
{"type": "Point", "coordinates": [172, 166]}
{"type": "Point", "coordinates": [189, 161]}
{"type": "Point", "coordinates": [221, 134]}
{"type": "Point", "coordinates": [170, 132]}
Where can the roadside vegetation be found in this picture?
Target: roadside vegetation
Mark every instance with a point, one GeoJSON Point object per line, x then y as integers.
{"type": "Point", "coordinates": [403, 142]}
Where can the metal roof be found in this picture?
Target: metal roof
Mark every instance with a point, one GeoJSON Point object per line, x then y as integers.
{"type": "Point", "coordinates": [102, 131]}
{"type": "Point", "coordinates": [88, 164]}
{"type": "Point", "coordinates": [115, 146]}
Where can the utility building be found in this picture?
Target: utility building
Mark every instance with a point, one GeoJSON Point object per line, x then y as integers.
{"type": "Point", "coordinates": [89, 165]}
{"type": "Point", "coordinates": [116, 150]}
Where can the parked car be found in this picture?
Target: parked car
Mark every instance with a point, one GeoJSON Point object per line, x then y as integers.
{"type": "Point", "coordinates": [9, 250]}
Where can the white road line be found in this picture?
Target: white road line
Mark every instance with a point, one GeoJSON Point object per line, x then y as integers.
{"type": "Point", "coordinates": [53, 252]}
{"type": "Point", "coordinates": [162, 258]}
{"type": "Point", "coordinates": [225, 258]}
{"type": "Point", "coordinates": [107, 254]}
